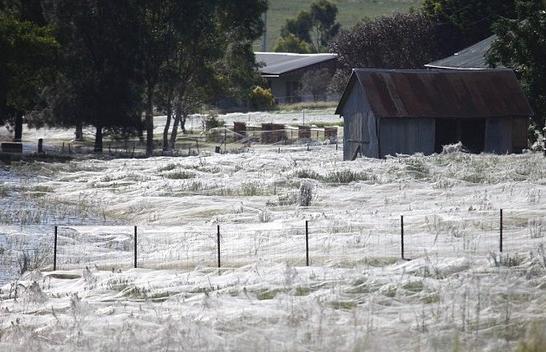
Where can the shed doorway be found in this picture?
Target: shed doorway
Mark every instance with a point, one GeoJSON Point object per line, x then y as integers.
{"type": "Point", "coordinates": [473, 134]}
{"type": "Point", "coordinates": [446, 133]}
{"type": "Point", "coordinates": [470, 132]}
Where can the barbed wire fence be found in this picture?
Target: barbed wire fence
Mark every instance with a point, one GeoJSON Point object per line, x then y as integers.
{"type": "Point", "coordinates": [311, 242]}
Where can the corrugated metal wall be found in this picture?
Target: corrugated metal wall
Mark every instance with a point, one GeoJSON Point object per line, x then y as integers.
{"type": "Point", "coordinates": [406, 136]}
{"type": "Point", "coordinates": [498, 135]}
{"type": "Point", "coordinates": [414, 135]}
{"type": "Point", "coordinates": [520, 128]}
{"type": "Point", "coordinates": [359, 126]}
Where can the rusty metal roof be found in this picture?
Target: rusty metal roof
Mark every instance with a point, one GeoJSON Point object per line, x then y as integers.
{"type": "Point", "coordinates": [440, 93]}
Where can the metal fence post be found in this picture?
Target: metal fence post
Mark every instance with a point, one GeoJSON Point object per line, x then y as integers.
{"type": "Point", "coordinates": [500, 228]}
{"type": "Point", "coordinates": [135, 249]}
{"type": "Point", "coordinates": [307, 242]}
{"type": "Point", "coordinates": [218, 243]}
{"type": "Point", "coordinates": [55, 250]}
{"type": "Point", "coordinates": [402, 236]}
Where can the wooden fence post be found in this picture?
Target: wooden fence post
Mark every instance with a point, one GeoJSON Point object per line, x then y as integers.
{"type": "Point", "coordinates": [307, 242]}
{"type": "Point", "coordinates": [218, 244]}
{"type": "Point", "coordinates": [135, 248]}
{"type": "Point", "coordinates": [500, 228]}
{"type": "Point", "coordinates": [55, 250]}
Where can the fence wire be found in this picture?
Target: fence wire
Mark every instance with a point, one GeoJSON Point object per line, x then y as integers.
{"type": "Point", "coordinates": [103, 247]}
{"type": "Point", "coordinates": [170, 247]}
{"type": "Point", "coordinates": [330, 243]}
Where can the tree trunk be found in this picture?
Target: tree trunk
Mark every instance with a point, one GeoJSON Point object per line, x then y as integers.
{"type": "Point", "coordinates": [149, 122]}
{"type": "Point", "coordinates": [98, 140]}
{"type": "Point", "coordinates": [79, 132]}
{"type": "Point", "coordinates": [183, 123]}
{"type": "Point", "coordinates": [177, 118]}
{"type": "Point", "coordinates": [140, 131]}
{"type": "Point", "coordinates": [18, 128]}
{"type": "Point", "coordinates": [167, 125]}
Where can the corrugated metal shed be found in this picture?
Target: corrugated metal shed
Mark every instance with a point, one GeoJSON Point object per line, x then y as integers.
{"type": "Point", "coordinates": [276, 64]}
{"type": "Point", "coordinates": [440, 93]}
{"type": "Point", "coordinates": [472, 57]}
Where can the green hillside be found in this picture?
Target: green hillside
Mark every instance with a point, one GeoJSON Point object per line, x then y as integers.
{"type": "Point", "coordinates": [349, 13]}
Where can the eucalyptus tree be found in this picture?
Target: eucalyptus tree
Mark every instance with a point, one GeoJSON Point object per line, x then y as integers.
{"type": "Point", "coordinates": [521, 45]}
{"type": "Point", "coordinates": [212, 58]}
{"type": "Point", "coordinates": [97, 81]}
{"type": "Point", "coordinates": [310, 30]}
{"type": "Point", "coordinates": [27, 62]}
{"type": "Point", "coordinates": [473, 18]}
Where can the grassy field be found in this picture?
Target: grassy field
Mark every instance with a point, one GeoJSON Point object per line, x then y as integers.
{"type": "Point", "coordinates": [349, 12]}
{"type": "Point", "coordinates": [457, 293]}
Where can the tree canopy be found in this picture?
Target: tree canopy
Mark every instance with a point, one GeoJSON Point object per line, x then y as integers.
{"type": "Point", "coordinates": [112, 64]}
{"type": "Point", "coordinates": [398, 41]}
{"type": "Point", "coordinates": [521, 45]}
{"type": "Point", "coordinates": [473, 18]}
{"type": "Point", "coordinates": [311, 30]}
{"type": "Point", "coordinates": [28, 52]}
{"type": "Point", "coordinates": [97, 78]}
{"type": "Point", "coordinates": [105, 62]}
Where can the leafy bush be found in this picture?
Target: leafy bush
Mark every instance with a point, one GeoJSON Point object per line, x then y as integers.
{"type": "Point", "coordinates": [261, 98]}
{"type": "Point", "coordinates": [212, 121]}
{"type": "Point", "coordinates": [292, 44]}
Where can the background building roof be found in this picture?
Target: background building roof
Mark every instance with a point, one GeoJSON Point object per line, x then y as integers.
{"type": "Point", "coordinates": [440, 93]}
{"type": "Point", "coordinates": [275, 64]}
{"type": "Point", "coordinates": [472, 57]}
